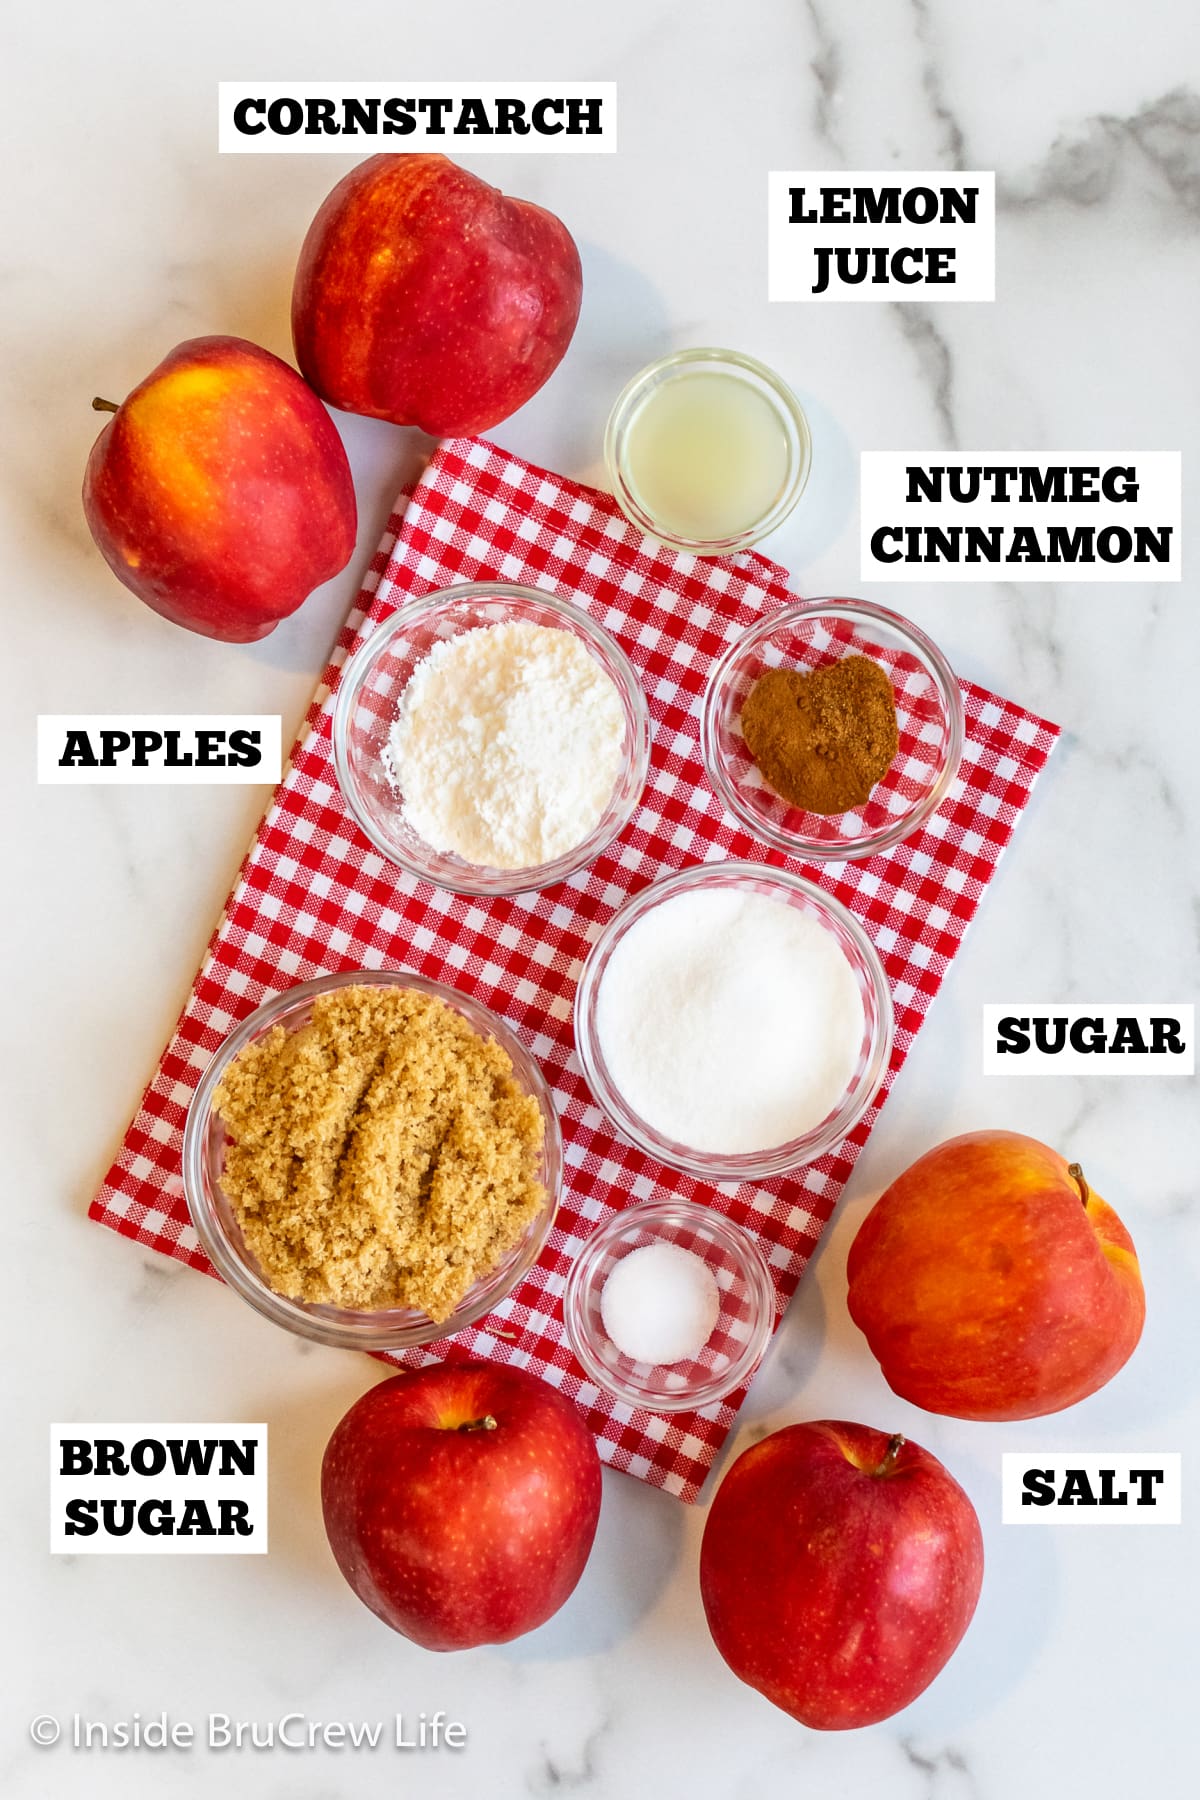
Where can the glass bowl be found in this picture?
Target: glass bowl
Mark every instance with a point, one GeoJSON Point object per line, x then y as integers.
{"type": "Point", "coordinates": [787, 409]}
{"type": "Point", "coordinates": [365, 710]}
{"type": "Point", "coordinates": [389, 1328]}
{"type": "Point", "coordinates": [874, 1051]}
{"type": "Point", "coordinates": [929, 713]}
{"type": "Point", "coordinates": [744, 1323]}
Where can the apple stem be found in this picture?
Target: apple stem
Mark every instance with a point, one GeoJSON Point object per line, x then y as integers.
{"type": "Point", "coordinates": [1076, 1174]}
{"type": "Point", "coordinates": [895, 1446]}
{"type": "Point", "coordinates": [487, 1423]}
{"type": "Point", "coordinates": [99, 405]}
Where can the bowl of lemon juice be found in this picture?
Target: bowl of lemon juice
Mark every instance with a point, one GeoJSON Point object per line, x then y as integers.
{"type": "Point", "coordinates": [707, 451]}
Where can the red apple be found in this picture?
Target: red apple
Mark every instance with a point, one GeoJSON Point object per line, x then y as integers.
{"type": "Point", "coordinates": [427, 297]}
{"type": "Point", "coordinates": [991, 1283]}
{"type": "Point", "coordinates": [461, 1502]}
{"type": "Point", "coordinates": [839, 1570]}
{"type": "Point", "coordinates": [219, 491]}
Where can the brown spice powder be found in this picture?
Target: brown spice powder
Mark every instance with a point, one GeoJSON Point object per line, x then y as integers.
{"type": "Point", "coordinates": [822, 740]}
{"type": "Point", "coordinates": [382, 1155]}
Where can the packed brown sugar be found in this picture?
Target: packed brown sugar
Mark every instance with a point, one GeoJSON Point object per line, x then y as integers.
{"type": "Point", "coordinates": [383, 1155]}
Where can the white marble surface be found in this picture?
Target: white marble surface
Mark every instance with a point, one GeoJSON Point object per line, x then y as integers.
{"type": "Point", "coordinates": [1078, 1675]}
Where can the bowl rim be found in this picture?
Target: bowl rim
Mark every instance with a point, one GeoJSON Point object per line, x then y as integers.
{"type": "Point", "coordinates": [871, 843]}
{"type": "Point", "coordinates": [478, 881]}
{"type": "Point", "coordinates": [381, 1329]}
{"type": "Point", "coordinates": [658, 1216]}
{"type": "Point", "coordinates": [621, 416]}
{"type": "Point", "coordinates": [754, 1165]}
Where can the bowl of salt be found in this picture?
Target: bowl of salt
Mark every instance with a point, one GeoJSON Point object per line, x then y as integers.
{"type": "Point", "coordinates": [669, 1306]}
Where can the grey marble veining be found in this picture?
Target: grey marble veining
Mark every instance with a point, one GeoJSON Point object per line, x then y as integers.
{"type": "Point", "coordinates": [1083, 167]}
{"type": "Point", "coordinates": [921, 330]}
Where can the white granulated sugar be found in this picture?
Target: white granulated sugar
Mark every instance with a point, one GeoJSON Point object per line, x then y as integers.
{"type": "Point", "coordinates": [730, 1022]}
{"type": "Point", "coordinates": [507, 745]}
{"type": "Point", "coordinates": [660, 1304]}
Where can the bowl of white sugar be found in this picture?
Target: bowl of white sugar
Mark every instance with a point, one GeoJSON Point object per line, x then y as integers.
{"type": "Point", "coordinates": [490, 738]}
{"type": "Point", "coordinates": [669, 1306]}
{"type": "Point", "coordinates": [733, 1021]}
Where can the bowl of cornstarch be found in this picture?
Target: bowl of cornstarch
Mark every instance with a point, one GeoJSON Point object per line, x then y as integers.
{"type": "Point", "coordinates": [490, 738]}
{"type": "Point", "coordinates": [669, 1305]}
{"type": "Point", "coordinates": [733, 1021]}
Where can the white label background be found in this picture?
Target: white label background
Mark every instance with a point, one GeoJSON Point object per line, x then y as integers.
{"type": "Point", "coordinates": [884, 486]}
{"type": "Point", "coordinates": [1082, 1062]}
{"type": "Point", "coordinates": [1168, 1495]}
{"type": "Point", "coordinates": [232, 142]}
{"type": "Point", "coordinates": [792, 248]}
{"type": "Point", "coordinates": [51, 744]}
{"type": "Point", "coordinates": [168, 1486]}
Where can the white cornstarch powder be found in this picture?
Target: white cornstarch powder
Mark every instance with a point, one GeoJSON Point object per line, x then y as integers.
{"type": "Point", "coordinates": [729, 1021]}
{"type": "Point", "coordinates": [660, 1304]}
{"type": "Point", "coordinates": [507, 744]}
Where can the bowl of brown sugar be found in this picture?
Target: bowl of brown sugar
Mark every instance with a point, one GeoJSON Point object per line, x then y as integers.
{"type": "Point", "coordinates": [372, 1160]}
{"type": "Point", "coordinates": [832, 729]}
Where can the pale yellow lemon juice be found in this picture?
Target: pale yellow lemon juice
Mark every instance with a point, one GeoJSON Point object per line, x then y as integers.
{"type": "Point", "coordinates": [707, 450]}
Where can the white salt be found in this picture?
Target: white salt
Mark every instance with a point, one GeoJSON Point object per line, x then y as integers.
{"type": "Point", "coordinates": [660, 1304]}
{"type": "Point", "coordinates": [729, 1021]}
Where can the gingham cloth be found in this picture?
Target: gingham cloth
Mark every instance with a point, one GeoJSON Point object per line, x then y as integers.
{"type": "Point", "coordinates": [313, 896]}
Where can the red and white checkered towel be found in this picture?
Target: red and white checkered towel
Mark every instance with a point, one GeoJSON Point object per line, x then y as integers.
{"type": "Point", "coordinates": [313, 896]}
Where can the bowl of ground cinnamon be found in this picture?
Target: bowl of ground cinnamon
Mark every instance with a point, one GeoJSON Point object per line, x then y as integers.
{"type": "Point", "coordinates": [372, 1160]}
{"type": "Point", "coordinates": [832, 729]}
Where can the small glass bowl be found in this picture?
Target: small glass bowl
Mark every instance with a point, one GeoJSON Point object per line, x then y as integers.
{"type": "Point", "coordinates": [390, 1328]}
{"type": "Point", "coordinates": [369, 695]}
{"type": "Point", "coordinates": [874, 1052]}
{"type": "Point", "coordinates": [744, 1323]}
{"type": "Point", "coordinates": [929, 712]}
{"type": "Point", "coordinates": [764, 381]}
